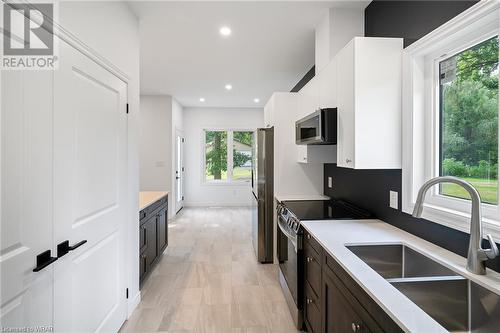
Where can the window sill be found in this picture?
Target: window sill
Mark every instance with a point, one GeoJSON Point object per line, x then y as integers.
{"type": "Point", "coordinates": [456, 219]}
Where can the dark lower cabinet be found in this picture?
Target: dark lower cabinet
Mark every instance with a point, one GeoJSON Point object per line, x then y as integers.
{"type": "Point", "coordinates": [153, 235]}
{"type": "Point", "coordinates": [342, 311]}
{"type": "Point", "coordinates": [334, 302]}
{"type": "Point", "coordinates": [312, 311]}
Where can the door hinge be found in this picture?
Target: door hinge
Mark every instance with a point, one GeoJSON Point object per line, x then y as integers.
{"type": "Point", "coordinates": [182, 139]}
{"type": "Point", "coordinates": [183, 198]}
{"type": "Point", "coordinates": [127, 108]}
{"type": "Point", "coordinates": [126, 293]}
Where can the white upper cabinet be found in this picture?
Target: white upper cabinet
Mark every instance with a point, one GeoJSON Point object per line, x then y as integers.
{"type": "Point", "coordinates": [369, 103]}
{"type": "Point", "coordinates": [269, 113]}
{"type": "Point", "coordinates": [316, 154]}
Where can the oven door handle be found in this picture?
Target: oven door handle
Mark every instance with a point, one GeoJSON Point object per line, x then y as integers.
{"type": "Point", "coordinates": [287, 233]}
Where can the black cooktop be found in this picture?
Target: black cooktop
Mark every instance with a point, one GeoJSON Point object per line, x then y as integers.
{"type": "Point", "coordinates": [325, 210]}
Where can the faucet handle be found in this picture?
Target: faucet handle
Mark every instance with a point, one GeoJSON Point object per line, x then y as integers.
{"type": "Point", "coordinates": [492, 252]}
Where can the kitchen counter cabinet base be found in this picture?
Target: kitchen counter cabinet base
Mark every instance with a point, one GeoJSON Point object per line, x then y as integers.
{"type": "Point", "coordinates": [153, 235]}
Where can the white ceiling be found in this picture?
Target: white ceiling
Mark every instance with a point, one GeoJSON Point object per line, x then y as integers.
{"type": "Point", "coordinates": [271, 47]}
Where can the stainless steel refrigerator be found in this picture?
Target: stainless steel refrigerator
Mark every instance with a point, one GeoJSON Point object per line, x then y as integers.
{"type": "Point", "coordinates": [263, 194]}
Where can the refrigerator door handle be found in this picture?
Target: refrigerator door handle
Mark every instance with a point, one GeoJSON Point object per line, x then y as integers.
{"type": "Point", "coordinates": [252, 177]}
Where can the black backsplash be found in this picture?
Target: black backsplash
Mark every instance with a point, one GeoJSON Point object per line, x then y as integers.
{"type": "Point", "coordinates": [410, 20]}
{"type": "Point", "coordinates": [369, 189]}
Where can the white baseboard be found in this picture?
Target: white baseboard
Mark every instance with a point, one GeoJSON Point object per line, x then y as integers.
{"type": "Point", "coordinates": [133, 303]}
{"type": "Point", "coordinates": [217, 204]}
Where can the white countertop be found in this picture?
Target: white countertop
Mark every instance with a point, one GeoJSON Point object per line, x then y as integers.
{"type": "Point", "coordinates": [298, 197]}
{"type": "Point", "coordinates": [335, 235]}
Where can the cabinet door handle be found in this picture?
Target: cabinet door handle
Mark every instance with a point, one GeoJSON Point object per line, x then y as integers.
{"type": "Point", "coordinates": [355, 327]}
{"type": "Point", "coordinates": [348, 160]}
{"type": "Point", "coordinates": [143, 256]}
{"type": "Point", "coordinates": [43, 260]}
{"type": "Point", "coordinates": [309, 259]}
{"type": "Point", "coordinates": [308, 236]}
{"type": "Point", "coordinates": [64, 247]}
{"type": "Point", "coordinates": [309, 301]}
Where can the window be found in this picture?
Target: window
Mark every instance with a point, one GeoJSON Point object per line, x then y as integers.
{"type": "Point", "coordinates": [242, 155]}
{"type": "Point", "coordinates": [450, 117]}
{"type": "Point", "coordinates": [223, 165]}
{"type": "Point", "coordinates": [468, 103]}
{"type": "Point", "coordinates": [215, 155]}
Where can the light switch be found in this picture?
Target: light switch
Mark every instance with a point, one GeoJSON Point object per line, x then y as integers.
{"type": "Point", "coordinates": [393, 199]}
{"type": "Point", "coordinates": [330, 182]}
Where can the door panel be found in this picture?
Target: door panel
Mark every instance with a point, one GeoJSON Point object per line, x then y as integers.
{"type": "Point", "coordinates": [346, 107]}
{"type": "Point", "coordinates": [151, 240]}
{"type": "Point", "coordinates": [90, 131]}
{"type": "Point", "coordinates": [26, 198]}
{"type": "Point", "coordinates": [179, 171]}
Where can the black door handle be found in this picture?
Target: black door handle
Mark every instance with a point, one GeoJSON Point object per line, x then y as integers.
{"type": "Point", "coordinates": [43, 260]}
{"type": "Point", "coordinates": [63, 248]}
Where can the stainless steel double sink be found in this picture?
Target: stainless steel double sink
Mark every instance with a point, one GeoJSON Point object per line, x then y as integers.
{"type": "Point", "coordinates": [457, 303]}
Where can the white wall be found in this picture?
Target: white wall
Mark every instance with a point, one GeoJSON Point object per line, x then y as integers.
{"type": "Point", "coordinates": [198, 193]}
{"type": "Point", "coordinates": [161, 116]}
{"type": "Point", "coordinates": [337, 27]}
{"type": "Point", "coordinates": [155, 143]}
{"type": "Point", "coordinates": [117, 40]}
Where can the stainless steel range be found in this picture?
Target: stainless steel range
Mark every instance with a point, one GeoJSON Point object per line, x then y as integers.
{"type": "Point", "coordinates": [290, 238]}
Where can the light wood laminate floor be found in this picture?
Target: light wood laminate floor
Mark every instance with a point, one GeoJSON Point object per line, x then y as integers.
{"type": "Point", "coordinates": [208, 280]}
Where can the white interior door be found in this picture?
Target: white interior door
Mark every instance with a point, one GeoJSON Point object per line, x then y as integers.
{"type": "Point", "coordinates": [26, 199]}
{"type": "Point", "coordinates": [179, 171]}
{"type": "Point", "coordinates": [90, 166]}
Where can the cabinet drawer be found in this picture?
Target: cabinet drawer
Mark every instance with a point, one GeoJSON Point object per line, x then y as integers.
{"type": "Point", "coordinates": [155, 205]}
{"type": "Point", "coordinates": [312, 314]}
{"type": "Point", "coordinates": [312, 242]}
{"type": "Point", "coordinates": [312, 269]}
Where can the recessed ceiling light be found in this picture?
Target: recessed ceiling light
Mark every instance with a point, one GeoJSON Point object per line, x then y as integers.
{"type": "Point", "coordinates": [202, 99]}
{"type": "Point", "coordinates": [225, 31]}
{"type": "Point", "coordinates": [256, 100]}
{"type": "Point", "coordinates": [228, 87]}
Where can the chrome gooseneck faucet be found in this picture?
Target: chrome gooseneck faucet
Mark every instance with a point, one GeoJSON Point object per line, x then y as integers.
{"type": "Point", "coordinates": [476, 255]}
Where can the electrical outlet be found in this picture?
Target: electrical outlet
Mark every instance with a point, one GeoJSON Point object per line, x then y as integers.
{"type": "Point", "coordinates": [330, 182]}
{"type": "Point", "coordinates": [393, 199]}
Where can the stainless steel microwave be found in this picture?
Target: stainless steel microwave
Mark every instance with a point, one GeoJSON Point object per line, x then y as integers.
{"type": "Point", "coordinates": [319, 128]}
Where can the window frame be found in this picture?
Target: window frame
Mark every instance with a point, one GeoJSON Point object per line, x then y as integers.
{"type": "Point", "coordinates": [230, 154]}
{"type": "Point", "coordinates": [421, 112]}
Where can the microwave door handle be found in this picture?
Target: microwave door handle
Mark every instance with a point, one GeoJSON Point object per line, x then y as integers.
{"type": "Point", "coordinates": [320, 125]}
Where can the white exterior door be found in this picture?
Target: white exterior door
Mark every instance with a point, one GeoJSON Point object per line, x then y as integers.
{"type": "Point", "coordinates": [90, 167]}
{"type": "Point", "coordinates": [179, 171]}
{"type": "Point", "coordinates": [26, 227]}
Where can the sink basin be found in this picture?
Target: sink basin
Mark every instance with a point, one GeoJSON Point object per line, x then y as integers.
{"type": "Point", "coordinates": [455, 302]}
{"type": "Point", "coordinates": [398, 261]}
